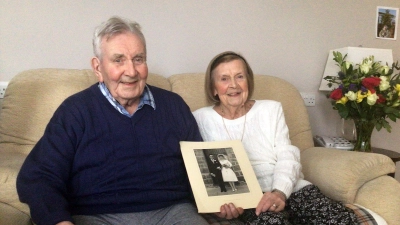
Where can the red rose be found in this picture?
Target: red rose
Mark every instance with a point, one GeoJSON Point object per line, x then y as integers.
{"type": "Point", "coordinates": [371, 82]}
{"type": "Point", "coordinates": [336, 94]}
{"type": "Point", "coordinates": [381, 99]}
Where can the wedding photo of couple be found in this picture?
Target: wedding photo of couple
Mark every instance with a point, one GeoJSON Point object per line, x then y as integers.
{"type": "Point", "coordinates": [221, 173]}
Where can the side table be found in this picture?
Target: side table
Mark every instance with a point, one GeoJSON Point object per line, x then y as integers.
{"type": "Point", "coordinates": [395, 156]}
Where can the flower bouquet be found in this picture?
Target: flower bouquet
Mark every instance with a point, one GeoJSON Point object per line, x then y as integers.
{"type": "Point", "coordinates": [368, 93]}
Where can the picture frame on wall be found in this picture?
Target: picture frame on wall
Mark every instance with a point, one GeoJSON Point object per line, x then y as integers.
{"type": "Point", "coordinates": [205, 160]}
{"type": "Point", "coordinates": [386, 22]}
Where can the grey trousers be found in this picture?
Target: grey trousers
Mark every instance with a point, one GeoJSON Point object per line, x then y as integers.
{"type": "Point", "coordinates": [180, 214]}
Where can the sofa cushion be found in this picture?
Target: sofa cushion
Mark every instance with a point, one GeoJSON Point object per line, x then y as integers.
{"type": "Point", "coordinates": [32, 97]}
{"type": "Point", "coordinates": [13, 216]}
{"type": "Point", "coordinates": [191, 87]}
{"type": "Point", "coordinates": [10, 164]}
{"type": "Point", "coordinates": [341, 178]}
{"type": "Point", "coordinates": [370, 196]}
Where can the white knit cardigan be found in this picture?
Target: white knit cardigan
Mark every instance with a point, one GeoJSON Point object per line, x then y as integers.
{"type": "Point", "coordinates": [275, 161]}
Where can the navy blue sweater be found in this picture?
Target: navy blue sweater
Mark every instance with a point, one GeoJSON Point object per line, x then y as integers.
{"type": "Point", "coordinates": [93, 160]}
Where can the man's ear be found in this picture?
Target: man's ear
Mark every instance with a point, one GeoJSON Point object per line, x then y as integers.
{"type": "Point", "coordinates": [95, 62]}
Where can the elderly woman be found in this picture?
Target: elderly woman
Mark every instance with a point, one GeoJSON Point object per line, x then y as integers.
{"type": "Point", "coordinates": [261, 126]}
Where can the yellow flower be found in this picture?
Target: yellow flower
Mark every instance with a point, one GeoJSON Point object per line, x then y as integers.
{"type": "Point", "coordinates": [343, 100]}
{"type": "Point", "coordinates": [397, 88]}
{"type": "Point", "coordinates": [351, 95]}
{"type": "Point", "coordinates": [360, 96]}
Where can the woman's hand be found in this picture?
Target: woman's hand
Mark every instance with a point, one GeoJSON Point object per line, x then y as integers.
{"type": "Point", "coordinates": [271, 201]}
{"type": "Point", "coordinates": [229, 211]}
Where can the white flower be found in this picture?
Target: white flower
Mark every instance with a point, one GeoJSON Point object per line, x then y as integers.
{"type": "Point", "coordinates": [384, 70]}
{"type": "Point", "coordinates": [384, 84]}
{"type": "Point", "coordinates": [351, 95]}
{"type": "Point", "coordinates": [371, 99]}
{"type": "Point", "coordinates": [364, 68]}
{"type": "Point", "coordinates": [366, 64]}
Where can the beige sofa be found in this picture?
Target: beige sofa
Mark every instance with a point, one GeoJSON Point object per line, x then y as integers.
{"type": "Point", "coordinates": [32, 97]}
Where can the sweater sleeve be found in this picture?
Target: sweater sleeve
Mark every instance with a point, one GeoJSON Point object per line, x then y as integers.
{"type": "Point", "coordinates": [287, 168]}
{"type": "Point", "coordinates": [41, 182]}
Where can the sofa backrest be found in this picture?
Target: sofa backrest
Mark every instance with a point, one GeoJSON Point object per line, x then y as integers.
{"type": "Point", "coordinates": [32, 97]}
{"type": "Point", "coordinates": [191, 87]}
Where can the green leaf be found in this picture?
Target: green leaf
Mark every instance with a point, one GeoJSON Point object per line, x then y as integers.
{"type": "Point", "coordinates": [387, 126]}
{"type": "Point", "coordinates": [343, 110]}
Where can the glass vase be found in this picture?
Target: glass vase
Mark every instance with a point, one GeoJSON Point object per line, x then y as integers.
{"type": "Point", "coordinates": [364, 129]}
{"type": "Point", "coordinates": [346, 129]}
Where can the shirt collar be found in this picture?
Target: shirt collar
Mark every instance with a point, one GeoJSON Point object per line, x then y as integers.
{"type": "Point", "coordinates": [145, 99]}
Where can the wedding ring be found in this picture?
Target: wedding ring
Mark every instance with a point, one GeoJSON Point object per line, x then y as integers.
{"type": "Point", "coordinates": [274, 205]}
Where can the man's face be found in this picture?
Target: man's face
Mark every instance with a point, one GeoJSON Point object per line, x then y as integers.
{"type": "Point", "coordinates": [122, 67]}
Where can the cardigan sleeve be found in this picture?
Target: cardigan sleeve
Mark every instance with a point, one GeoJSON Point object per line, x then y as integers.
{"type": "Point", "coordinates": [287, 168]}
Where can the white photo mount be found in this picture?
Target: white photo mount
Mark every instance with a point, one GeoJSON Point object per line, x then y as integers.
{"type": "Point", "coordinates": [193, 156]}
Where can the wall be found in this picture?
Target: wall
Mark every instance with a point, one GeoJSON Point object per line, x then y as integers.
{"type": "Point", "coordinates": [288, 39]}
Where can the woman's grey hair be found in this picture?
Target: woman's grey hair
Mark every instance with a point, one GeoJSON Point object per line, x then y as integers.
{"type": "Point", "coordinates": [114, 26]}
{"type": "Point", "coordinates": [224, 57]}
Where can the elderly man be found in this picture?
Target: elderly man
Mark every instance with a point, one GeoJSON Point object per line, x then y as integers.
{"type": "Point", "coordinates": [110, 154]}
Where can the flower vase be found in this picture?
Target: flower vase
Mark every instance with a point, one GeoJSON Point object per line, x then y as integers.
{"type": "Point", "coordinates": [364, 129]}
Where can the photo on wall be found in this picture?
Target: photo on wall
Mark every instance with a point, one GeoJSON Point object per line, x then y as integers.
{"type": "Point", "coordinates": [386, 22]}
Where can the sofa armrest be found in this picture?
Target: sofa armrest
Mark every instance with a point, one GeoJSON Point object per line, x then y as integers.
{"type": "Point", "coordinates": [339, 174]}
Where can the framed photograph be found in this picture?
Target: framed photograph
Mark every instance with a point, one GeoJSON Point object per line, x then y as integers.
{"type": "Point", "coordinates": [386, 22]}
{"type": "Point", "coordinates": [220, 172]}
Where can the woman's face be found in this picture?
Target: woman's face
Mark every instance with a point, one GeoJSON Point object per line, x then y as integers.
{"type": "Point", "coordinates": [230, 79]}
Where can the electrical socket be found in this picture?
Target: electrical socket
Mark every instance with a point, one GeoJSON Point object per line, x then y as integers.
{"type": "Point", "coordinates": [309, 98]}
{"type": "Point", "coordinates": [3, 87]}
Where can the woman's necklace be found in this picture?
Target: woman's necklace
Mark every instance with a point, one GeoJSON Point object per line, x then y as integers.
{"type": "Point", "coordinates": [226, 129]}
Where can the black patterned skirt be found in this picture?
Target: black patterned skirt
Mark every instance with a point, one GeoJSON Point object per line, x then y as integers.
{"type": "Point", "coordinates": [308, 206]}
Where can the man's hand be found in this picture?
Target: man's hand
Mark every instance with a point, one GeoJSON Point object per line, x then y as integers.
{"type": "Point", "coordinates": [271, 201]}
{"type": "Point", "coordinates": [65, 223]}
{"type": "Point", "coordinates": [229, 211]}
